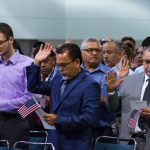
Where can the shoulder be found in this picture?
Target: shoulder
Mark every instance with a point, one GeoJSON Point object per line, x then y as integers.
{"type": "Point", "coordinates": [88, 80]}
{"type": "Point", "coordinates": [139, 69]}
{"type": "Point", "coordinates": [103, 68]}
{"type": "Point", "coordinates": [25, 59]}
{"type": "Point", "coordinates": [134, 77]}
{"type": "Point", "coordinates": [131, 72]}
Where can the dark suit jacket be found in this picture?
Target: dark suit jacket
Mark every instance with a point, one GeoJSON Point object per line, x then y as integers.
{"type": "Point", "coordinates": [76, 110]}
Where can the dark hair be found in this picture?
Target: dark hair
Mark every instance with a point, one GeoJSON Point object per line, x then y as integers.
{"type": "Point", "coordinates": [128, 38]}
{"type": "Point", "coordinates": [146, 42]}
{"type": "Point", "coordinates": [73, 50]}
{"type": "Point", "coordinates": [38, 48]}
{"type": "Point", "coordinates": [127, 50]}
{"type": "Point", "coordinates": [6, 30]}
{"type": "Point", "coordinates": [17, 46]}
{"type": "Point", "coordinates": [37, 44]}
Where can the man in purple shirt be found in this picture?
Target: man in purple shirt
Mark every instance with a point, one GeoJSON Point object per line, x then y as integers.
{"type": "Point", "coordinates": [13, 89]}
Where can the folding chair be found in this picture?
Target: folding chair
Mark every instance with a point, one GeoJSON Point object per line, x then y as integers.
{"type": "Point", "coordinates": [114, 143]}
{"type": "Point", "coordinates": [25, 145]}
{"type": "Point", "coordinates": [4, 145]}
{"type": "Point", "coordinates": [38, 136]}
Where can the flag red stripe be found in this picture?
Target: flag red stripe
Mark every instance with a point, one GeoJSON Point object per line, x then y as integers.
{"type": "Point", "coordinates": [25, 111]}
{"type": "Point", "coordinates": [32, 108]}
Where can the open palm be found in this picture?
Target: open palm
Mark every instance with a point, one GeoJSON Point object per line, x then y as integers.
{"type": "Point", "coordinates": [43, 53]}
{"type": "Point", "coordinates": [112, 82]}
{"type": "Point", "coordinates": [124, 70]}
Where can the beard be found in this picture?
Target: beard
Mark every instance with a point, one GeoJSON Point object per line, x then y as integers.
{"type": "Point", "coordinates": [65, 77]}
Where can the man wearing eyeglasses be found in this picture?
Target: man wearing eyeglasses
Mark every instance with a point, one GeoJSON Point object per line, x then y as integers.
{"type": "Point", "coordinates": [145, 45]}
{"type": "Point", "coordinates": [92, 54]}
{"type": "Point", "coordinates": [74, 98]}
{"type": "Point", "coordinates": [13, 91]}
{"type": "Point", "coordinates": [134, 88]}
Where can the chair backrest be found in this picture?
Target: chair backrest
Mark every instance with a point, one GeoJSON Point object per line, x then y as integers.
{"type": "Point", "coordinates": [114, 143]}
{"type": "Point", "coordinates": [4, 145]}
{"type": "Point", "coordinates": [38, 136]}
{"type": "Point", "coordinates": [23, 145]}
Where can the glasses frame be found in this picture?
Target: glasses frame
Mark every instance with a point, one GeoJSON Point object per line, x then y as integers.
{"type": "Point", "coordinates": [147, 62]}
{"type": "Point", "coordinates": [1, 42]}
{"type": "Point", "coordinates": [64, 65]}
{"type": "Point", "coordinates": [91, 50]}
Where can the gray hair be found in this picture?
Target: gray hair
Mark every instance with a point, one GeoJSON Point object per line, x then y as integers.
{"type": "Point", "coordinates": [86, 40]}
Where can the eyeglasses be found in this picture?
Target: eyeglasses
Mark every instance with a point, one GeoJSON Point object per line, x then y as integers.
{"type": "Point", "coordinates": [91, 50]}
{"type": "Point", "coordinates": [64, 65]}
{"type": "Point", "coordinates": [146, 61]}
{"type": "Point", "coordinates": [1, 42]}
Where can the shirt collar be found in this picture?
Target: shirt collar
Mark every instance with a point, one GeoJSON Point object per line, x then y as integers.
{"type": "Point", "coordinates": [146, 77]}
{"type": "Point", "coordinates": [100, 67]}
{"type": "Point", "coordinates": [13, 59]}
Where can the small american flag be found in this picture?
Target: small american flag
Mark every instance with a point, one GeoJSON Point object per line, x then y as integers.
{"type": "Point", "coordinates": [134, 118]}
{"type": "Point", "coordinates": [30, 106]}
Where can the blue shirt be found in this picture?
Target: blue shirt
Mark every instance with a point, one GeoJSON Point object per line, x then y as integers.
{"type": "Point", "coordinates": [105, 118]}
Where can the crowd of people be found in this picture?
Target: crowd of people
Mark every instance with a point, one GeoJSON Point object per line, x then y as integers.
{"type": "Point", "coordinates": [85, 90]}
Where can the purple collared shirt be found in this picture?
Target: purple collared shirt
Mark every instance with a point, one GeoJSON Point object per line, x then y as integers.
{"type": "Point", "coordinates": [13, 82]}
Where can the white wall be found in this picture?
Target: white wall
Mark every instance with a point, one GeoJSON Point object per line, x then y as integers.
{"type": "Point", "coordinates": [77, 19]}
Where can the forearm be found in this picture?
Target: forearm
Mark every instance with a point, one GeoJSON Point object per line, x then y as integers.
{"type": "Point", "coordinates": [13, 104]}
{"type": "Point", "coordinates": [34, 83]}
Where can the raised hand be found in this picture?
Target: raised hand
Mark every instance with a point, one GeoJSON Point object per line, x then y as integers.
{"type": "Point", "coordinates": [125, 65]}
{"type": "Point", "coordinates": [112, 82]}
{"type": "Point", "coordinates": [43, 53]}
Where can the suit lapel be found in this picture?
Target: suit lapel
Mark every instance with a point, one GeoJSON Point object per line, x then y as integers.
{"type": "Point", "coordinates": [68, 89]}
{"type": "Point", "coordinates": [57, 94]}
{"type": "Point", "coordinates": [139, 84]}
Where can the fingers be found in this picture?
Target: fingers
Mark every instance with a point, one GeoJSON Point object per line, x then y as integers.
{"type": "Point", "coordinates": [46, 116]}
{"type": "Point", "coordinates": [145, 113]}
{"type": "Point", "coordinates": [41, 47]}
{"type": "Point", "coordinates": [111, 76]}
{"type": "Point", "coordinates": [125, 62]}
{"type": "Point", "coordinates": [146, 110]}
{"type": "Point", "coordinates": [50, 118]}
{"type": "Point", "coordinates": [47, 47]}
{"type": "Point", "coordinates": [112, 83]}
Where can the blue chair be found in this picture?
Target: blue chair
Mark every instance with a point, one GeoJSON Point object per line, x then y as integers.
{"type": "Point", "coordinates": [24, 145]}
{"type": "Point", "coordinates": [4, 145]}
{"type": "Point", "coordinates": [114, 143]}
{"type": "Point", "coordinates": [38, 136]}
